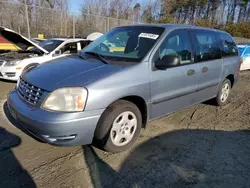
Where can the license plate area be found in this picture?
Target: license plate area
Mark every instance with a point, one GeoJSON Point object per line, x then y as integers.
{"type": "Point", "coordinates": [13, 112]}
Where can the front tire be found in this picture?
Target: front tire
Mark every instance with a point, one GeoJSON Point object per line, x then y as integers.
{"type": "Point", "coordinates": [118, 127]}
{"type": "Point", "coordinates": [224, 92]}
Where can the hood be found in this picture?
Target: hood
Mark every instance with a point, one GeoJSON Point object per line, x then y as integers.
{"type": "Point", "coordinates": [19, 40]}
{"type": "Point", "coordinates": [70, 71]}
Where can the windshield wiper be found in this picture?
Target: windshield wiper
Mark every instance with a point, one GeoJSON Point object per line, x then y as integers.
{"type": "Point", "coordinates": [99, 56]}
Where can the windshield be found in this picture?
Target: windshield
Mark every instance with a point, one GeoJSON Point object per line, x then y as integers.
{"type": "Point", "coordinates": [131, 43]}
{"type": "Point", "coordinates": [241, 50]}
{"type": "Point", "coordinates": [48, 45]}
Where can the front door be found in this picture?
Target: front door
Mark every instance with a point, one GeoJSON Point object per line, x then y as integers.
{"type": "Point", "coordinates": [174, 88]}
{"type": "Point", "coordinates": [208, 56]}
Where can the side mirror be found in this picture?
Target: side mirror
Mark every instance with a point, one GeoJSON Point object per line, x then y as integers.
{"type": "Point", "coordinates": [167, 61]}
{"type": "Point", "coordinates": [58, 52]}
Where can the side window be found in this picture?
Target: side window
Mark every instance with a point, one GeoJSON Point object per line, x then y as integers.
{"type": "Point", "coordinates": [84, 44]}
{"type": "Point", "coordinates": [229, 47]}
{"type": "Point", "coordinates": [206, 45]}
{"type": "Point", "coordinates": [178, 44]}
{"type": "Point", "coordinates": [69, 48]}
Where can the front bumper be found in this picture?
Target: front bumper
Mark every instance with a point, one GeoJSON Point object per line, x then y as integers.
{"type": "Point", "coordinates": [61, 129]}
{"type": "Point", "coordinates": [10, 73]}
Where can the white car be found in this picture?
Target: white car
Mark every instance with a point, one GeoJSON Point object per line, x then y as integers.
{"type": "Point", "coordinates": [245, 55]}
{"type": "Point", "coordinates": [31, 54]}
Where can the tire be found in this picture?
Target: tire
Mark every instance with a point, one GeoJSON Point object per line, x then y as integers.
{"type": "Point", "coordinates": [113, 127]}
{"type": "Point", "coordinates": [219, 98]}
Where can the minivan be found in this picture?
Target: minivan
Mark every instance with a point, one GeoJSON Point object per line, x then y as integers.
{"type": "Point", "coordinates": [104, 97]}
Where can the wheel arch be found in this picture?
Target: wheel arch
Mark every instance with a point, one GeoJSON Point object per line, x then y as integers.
{"type": "Point", "coordinates": [141, 105]}
{"type": "Point", "coordinates": [230, 77]}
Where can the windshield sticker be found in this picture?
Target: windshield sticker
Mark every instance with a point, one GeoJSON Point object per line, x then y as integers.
{"type": "Point", "coordinates": [149, 36]}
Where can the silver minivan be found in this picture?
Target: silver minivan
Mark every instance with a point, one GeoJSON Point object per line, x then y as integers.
{"type": "Point", "coordinates": [106, 93]}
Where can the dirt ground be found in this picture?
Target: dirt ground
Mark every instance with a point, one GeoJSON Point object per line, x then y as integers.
{"type": "Point", "coordinates": [201, 146]}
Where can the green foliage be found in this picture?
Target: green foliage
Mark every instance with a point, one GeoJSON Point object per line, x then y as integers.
{"type": "Point", "coordinates": [167, 19]}
{"type": "Point", "coordinates": [232, 16]}
{"type": "Point", "coordinates": [241, 29]}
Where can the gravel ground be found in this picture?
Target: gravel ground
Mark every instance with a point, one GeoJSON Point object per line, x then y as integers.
{"type": "Point", "coordinates": [201, 146]}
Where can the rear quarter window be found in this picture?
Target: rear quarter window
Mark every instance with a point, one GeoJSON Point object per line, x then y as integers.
{"type": "Point", "coordinates": [228, 46]}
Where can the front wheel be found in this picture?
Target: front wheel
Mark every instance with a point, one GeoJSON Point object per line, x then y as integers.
{"type": "Point", "coordinates": [118, 127]}
{"type": "Point", "coordinates": [223, 94]}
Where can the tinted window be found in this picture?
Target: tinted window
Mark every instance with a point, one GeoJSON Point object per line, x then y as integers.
{"type": "Point", "coordinates": [229, 47]}
{"type": "Point", "coordinates": [177, 43]}
{"type": "Point", "coordinates": [206, 45]}
{"type": "Point", "coordinates": [134, 42]}
{"type": "Point", "coordinates": [50, 45]}
{"type": "Point", "coordinates": [69, 48]}
{"type": "Point", "coordinates": [84, 43]}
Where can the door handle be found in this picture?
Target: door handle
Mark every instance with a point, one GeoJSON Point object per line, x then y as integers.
{"type": "Point", "coordinates": [191, 72]}
{"type": "Point", "coordinates": [204, 69]}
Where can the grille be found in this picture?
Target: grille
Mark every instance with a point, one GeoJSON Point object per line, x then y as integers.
{"type": "Point", "coordinates": [10, 74]}
{"type": "Point", "coordinates": [29, 93]}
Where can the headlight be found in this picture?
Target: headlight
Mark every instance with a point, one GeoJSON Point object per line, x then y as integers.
{"type": "Point", "coordinates": [72, 99]}
{"type": "Point", "coordinates": [12, 63]}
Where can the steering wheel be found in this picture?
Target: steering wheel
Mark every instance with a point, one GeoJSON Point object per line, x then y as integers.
{"type": "Point", "coordinates": [104, 47]}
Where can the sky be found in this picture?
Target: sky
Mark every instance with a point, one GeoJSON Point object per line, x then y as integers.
{"type": "Point", "coordinates": [75, 5]}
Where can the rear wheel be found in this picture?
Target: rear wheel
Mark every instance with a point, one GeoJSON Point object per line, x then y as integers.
{"type": "Point", "coordinates": [119, 127]}
{"type": "Point", "coordinates": [222, 96]}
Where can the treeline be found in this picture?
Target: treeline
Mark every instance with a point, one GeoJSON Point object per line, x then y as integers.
{"type": "Point", "coordinates": [230, 15]}
{"type": "Point", "coordinates": [53, 17]}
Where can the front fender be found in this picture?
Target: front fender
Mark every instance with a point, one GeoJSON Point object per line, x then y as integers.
{"type": "Point", "coordinates": [124, 83]}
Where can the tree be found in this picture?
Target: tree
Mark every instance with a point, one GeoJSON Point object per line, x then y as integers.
{"type": "Point", "coordinates": [137, 8]}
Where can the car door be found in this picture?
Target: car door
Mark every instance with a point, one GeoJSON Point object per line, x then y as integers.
{"type": "Point", "coordinates": [208, 56]}
{"type": "Point", "coordinates": [246, 58]}
{"type": "Point", "coordinates": [173, 88]}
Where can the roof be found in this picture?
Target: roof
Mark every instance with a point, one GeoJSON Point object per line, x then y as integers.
{"type": "Point", "coordinates": [68, 39]}
{"type": "Point", "coordinates": [175, 26]}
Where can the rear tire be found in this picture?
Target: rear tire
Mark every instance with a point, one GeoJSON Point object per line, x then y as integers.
{"type": "Point", "coordinates": [224, 92]}
{"type": "Point", "coordinates": [118, 127]}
